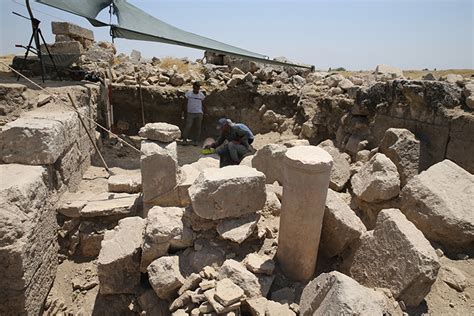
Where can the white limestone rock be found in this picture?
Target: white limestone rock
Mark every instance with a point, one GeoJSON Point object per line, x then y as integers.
{"type": "Point", "coordinates": [165, 276]}
{"type": "Point", "coordinates": [334, 293]}
{"type": "Point", "coordinates": [396, 255]}
{"type": "Point", "coordinates": [269, 160]}
{"type": "Point", "coordinates": [162, 132]}
{"type": "Point", "coordinates": [164, 230]}
{"type": "Point", "coordinates": [238, 229]}
{"type": "Point", "coordinates": [232, 191]}
{"type": "Point", "coordinates": [125, 183]}
{"type": "Point", "coordinates": [259, 264]}
{"type": "Point", "coordinates": [109, 204]}
{"type": "Point", "coordinates": [377, 180]}
{"type": "Point", "coordinates": [439, 201]}
{"type": "Point", "coordinates": [227, 292]}
{"type": "Point", "coordinates": [118, 265]}
{"type": "Point", "coordinates": [341, 226]}
{"type": "Point", "coordinates": [340, 172]}
{"type": "Point", "coordinates": [238, 274]}
{"type": "Point", "coordinates": [403, 149]}
{"type": "Point", "coordinates": [159, 168]}
{"type": "Point", "coordinates": [388, 70]}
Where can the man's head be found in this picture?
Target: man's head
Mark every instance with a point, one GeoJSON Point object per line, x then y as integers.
{"type": "Point", "coordinates": [223, 124]}
{"type": "Point", "coordinates": [196, 86]}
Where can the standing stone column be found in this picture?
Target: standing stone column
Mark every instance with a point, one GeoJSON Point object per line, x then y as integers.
{"type": "Point", "coordinates": [306, 181]}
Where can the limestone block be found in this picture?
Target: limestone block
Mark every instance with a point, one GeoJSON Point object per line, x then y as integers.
{"type": "Point", "coordinates": [269, 160]}
{"type": "Point", "coordinates": [165, 276]}
{"type": "Point", "coordinates": [333, 81]}
{"type": "Point", "coordinates": [161, 132]}
{"type": "Point", "coordinates": [341, 226]}
{"type": "Point", "coordinates": [118, 265]}
{"type": "Point", "coordinates": [125, 183]}
{"type": "Point", "coordinates": [334, 293]}
{"type": "Point", "coordinates": [28, 239]}
{"type": "Point", "coordinates": [238, 229]}
{"type": "Point", "coordinates": [218, 307]}
{"type": "Point", "coordinates": [206, 256]}
{"type": "Point", "coordinates": [228, 192]}
{"type": "Point", "coordinates": [238, 274]}
{"type": "Point", "coordinates": [345, 84]}
{"type": "Point", "coordinates": [159, 167]}
{"type": "Point", "coordinates": [468, 92]}
{"type": "Point", "coordinates": [109, 204]}
{"type": "Point", "coordinates": [396, 255]}
{"type": "Point", "coordinates": [42, 141]}
{"type": "Point", "coordinates": [66, 28]}
{"type": "Point", "coordinates": [377, 180]}
{"type": "Point", "coordinates": [259, 264]}
{"type": "Point", "coordinates": [439, 201]}
{"type": "Point", "coordinates": [388, 70]}
{"type": "Point", "coordinates": [278, 309]}
{"type": "Point", "coordinates": [64, 48]}
{"type": "Point", "coordinates": [403, 149]}
{"type": "Point", "coordinates": [227, 292]}
{"type": "Point", "coordinates": [164, 230]}
{"type": "Point", "coordinates": [340, 172]}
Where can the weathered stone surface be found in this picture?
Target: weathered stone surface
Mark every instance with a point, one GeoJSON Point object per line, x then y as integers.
{"type": "Point", "coordinates": [341, 226]}
{"type": "Point", "coordinates": [159, 167]}
{"type": "Point", "coordinates": [74, 30]}
{"type": "Point", "coordinates": [388, 70]}
{"type": "Point", "coordinates": [340, 172]}
{"type": "Point", "coordinates": [207, 256]}
{"type": "Point", "coordinates": [191, 283]}
{"type": "Point", "coordinates": [259, 264]}
{"type": "Point", "coordinates": [109, 204]}
{"type": "Point", "coordinates": [64, 48]}
{"type": "Point", "coordinates": [403, 149]}
{"type": "Point", "coordinates": [273, 204]}
{"type": "Point", "coordinates": [218, 307]}
{"type": "Point", "coordinates": [397, 243]}
{"type": "Point", "coordinates": [345, 84]}
{"type": "Point", "coordinates": [333, 81]}
{"type": "Point", "coordinates": [165, 276]}
{"type": "Point", "coordinates": [118, 266]}
{"type": "Point", "coordinates": [377, 180]}
{"type": "Point", "coordinates": [439, 201]}
{"type": "Point", "coordinates": [164, 230]}
{"type": "Point", "coordinates": [238, 229]}
{"type": "Point", "coordinates": [278, 309]}
{"type": "Point", "coordinates": [454, 278]}
{"type": "Point", "coordinates": [269, 160]}
{"type": "Point", "coordinates": [162, 132]}
{"type": "Point", "coordinates": [227, 292]}
{"type": "Point", "coordinates": [228, 192]}
{"type": "Point", "coordinates": [28, 232]}
{"type": "Point", "coordinates": [337, 294]}
{"type": "Point", "coordinates": [307, 176]}
{"type": "Point", "coordinates": [125, 183]}
{"type": "Point", "coordinates": [468, 92]}
{"type": "Point", "coordinates": [238, 274]}
{"type": "Point", "coordinates": [42, 141]}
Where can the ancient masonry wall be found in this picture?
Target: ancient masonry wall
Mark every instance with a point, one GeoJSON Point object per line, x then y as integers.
{"type": "Point", "coordinates": [43, 153]}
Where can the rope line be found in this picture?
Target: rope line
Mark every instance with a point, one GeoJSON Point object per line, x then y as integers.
{"type": "Point", "coordinates": [57, 98]}
{"type": "Point", "coordinates": [39, 11]}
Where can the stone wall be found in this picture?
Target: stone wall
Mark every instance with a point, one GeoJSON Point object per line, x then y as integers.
{"type": "Point", "coordinates": [43, 153]}
{"type": "Point", "coordinates": [241, 104]}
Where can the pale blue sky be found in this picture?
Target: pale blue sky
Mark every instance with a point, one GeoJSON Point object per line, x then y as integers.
{"type": "Point", "coordinates": [410, 34]}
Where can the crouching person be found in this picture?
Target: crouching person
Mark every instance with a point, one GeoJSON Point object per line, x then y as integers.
{"type": "Point", "coordinates": [239, 138]}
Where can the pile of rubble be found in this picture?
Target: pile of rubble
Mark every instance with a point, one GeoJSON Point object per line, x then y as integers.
{"type": "Point", "coordinates": [207, 239]}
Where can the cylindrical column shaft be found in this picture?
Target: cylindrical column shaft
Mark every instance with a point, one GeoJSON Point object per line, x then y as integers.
{"type": "Point", "coordinates": [306, 181]}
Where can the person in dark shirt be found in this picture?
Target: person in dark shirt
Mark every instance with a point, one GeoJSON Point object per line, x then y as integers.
{"type": "Point", "coordinates": [239, 138]}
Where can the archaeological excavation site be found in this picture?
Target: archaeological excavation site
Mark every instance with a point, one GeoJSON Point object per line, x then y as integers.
{"type": "Point", "coordinates": [355, 196]}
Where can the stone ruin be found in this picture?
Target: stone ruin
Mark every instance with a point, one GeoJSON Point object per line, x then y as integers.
{"type": "Point", "coordinates": [357, 199]}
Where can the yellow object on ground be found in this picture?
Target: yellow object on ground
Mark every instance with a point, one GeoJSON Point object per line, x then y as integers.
{"type": "Point", "coordinates": [208, 151]}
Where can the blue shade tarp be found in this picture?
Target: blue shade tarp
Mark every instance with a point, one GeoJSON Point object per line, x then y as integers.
{"type": "Point", "coordinates": [135, 24]}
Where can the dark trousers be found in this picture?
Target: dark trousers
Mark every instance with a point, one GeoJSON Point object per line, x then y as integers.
{"type": "Point", "coordinates": [193, 120]}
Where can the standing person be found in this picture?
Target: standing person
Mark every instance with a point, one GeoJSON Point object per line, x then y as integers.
{"type": "Point", "coordinates": [239, 138]}
{"type": "Point", "coordinates": [194, 113]}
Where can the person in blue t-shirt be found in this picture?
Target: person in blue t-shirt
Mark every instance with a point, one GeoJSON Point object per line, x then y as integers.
{"type": "Point", "coordinates": [239, 138]}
